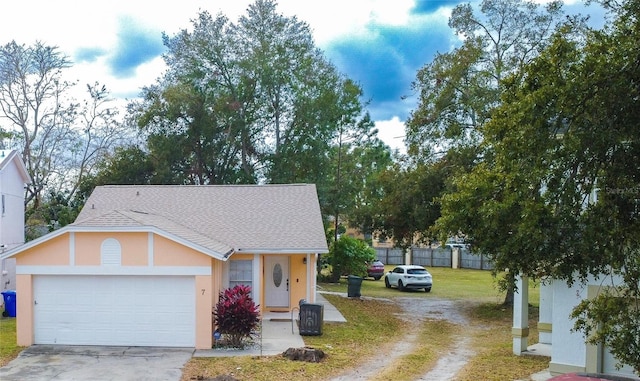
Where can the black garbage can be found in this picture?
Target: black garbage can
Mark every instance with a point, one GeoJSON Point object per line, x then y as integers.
{"type": "Point", "coordinates": [354, 284]}
{"type": "Point", "coordinates": [311, 318]}
{"type": "Point", "coordinates": [9, 303]}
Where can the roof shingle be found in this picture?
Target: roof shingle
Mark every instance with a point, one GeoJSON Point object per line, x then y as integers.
{"type": "Point", "coordinates": [242, 217]}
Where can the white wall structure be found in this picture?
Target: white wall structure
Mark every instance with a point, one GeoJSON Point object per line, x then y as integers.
{"type": "Point", "coordinates": [569, 350]}
{"type": "Point", "coordinates": [545, 321]}
{"type": "Point", "coordinates": [13, 177]}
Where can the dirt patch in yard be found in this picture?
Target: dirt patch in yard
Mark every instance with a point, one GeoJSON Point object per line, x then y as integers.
{"type": "Point", "coordinates": [451, 363]}
{"type": "Point", "coordinates": [414, 312]}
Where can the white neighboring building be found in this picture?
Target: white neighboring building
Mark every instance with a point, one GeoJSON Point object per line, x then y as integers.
{"type": "Point", "coordinates": [13, 177]}
{"type": "Point", "coordinates": [568, 350]}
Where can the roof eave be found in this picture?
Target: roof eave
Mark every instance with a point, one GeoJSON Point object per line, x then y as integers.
{"type": "Point", "coordinates": [27, 245]}
{"type": "Point", "coordinates": [305, 250]}
{"type": "Point", "coordinates": [223, 256]}
{"type": "Point", "coordinates": [15, 157]}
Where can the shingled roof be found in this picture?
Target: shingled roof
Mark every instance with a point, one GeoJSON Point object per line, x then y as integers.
{"type": "Point", "coordinates": [223, 218]}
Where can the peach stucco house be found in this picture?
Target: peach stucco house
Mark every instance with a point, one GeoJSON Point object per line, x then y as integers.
{"type": "Point", "coordinates": [144, 265]}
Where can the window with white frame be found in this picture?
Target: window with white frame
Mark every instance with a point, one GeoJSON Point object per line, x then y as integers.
{"type": "Point", "coordinates": [240, 272]}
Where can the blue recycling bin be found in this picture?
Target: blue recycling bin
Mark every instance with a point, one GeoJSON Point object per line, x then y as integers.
{"type": "Point", "coordinates": [9, 303]}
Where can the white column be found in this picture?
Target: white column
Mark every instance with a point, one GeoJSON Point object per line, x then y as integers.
{"type": "Point", "coordinates": [546, 312]}
{"type": "Point", "coordinates": [520, 329]}
{"type": "Point", "coordinates": [311, 263]}
{"type": "Point", "coordinates": [455, 257]}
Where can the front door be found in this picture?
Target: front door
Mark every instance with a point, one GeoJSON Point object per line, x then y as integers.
{"type": "Point", "coordinates": [276, 278]}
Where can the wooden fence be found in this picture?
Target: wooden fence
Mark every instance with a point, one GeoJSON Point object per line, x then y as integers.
{"type": "Point", "coordinates": [434, 257]}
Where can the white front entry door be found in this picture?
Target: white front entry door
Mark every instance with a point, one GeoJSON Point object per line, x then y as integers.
{"type": "Point", "coordinates": [114, 310]}
{"type": "Point", "coordinates": [276, 278]}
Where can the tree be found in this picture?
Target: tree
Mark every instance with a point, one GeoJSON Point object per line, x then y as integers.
{"type": "Point", "coordinates": [56, 211]}
{"type": "Point", "coordinates": [458, 89]}
{"type": "Point", "coordinates": [457, 92]}
{"type": "Point", "coordinates": [557, 194]}
{"type": "Point", "coordinates": [248, 102]}
{"type": "Point", "coordinates": [126, 165]}
{"type": "Point", "coordinates": [60, 140]}
{"type": "Point", "coordinates": [410, 204]}
{"type": "Point", "coordinates": [30, 95]}
{"type": "Point", "coordinates": [349, 255]}
{"type": "Point", "coordinates": [361, 187]}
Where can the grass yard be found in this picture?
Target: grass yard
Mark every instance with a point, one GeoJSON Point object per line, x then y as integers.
{"type": "Point", "coordinates": [371, 322]}
{"type": "Point", "coordinates": [8, 348]}
{"type": "Point", "coordinates": [434, 338]}
{"type": "Point", "coordinates": [492, 338]}
{"type": "Point", "coordinates": [455, 284]}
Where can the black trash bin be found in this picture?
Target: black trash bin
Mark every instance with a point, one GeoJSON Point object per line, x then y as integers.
{"type": "Point", "coordinates": [354, 284]}
{"type": "Point", "coordinates": [311, 318]}
{"type": "Point", "coordinates": [9, 303]}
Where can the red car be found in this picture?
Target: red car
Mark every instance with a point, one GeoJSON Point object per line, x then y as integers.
{"type": "Point", "coordinates": [588, 377]}
{"type": "Point", "coordinates": [375, 270]}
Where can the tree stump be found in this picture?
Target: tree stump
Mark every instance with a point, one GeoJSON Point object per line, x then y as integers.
{"type": "Point", "coordinates": [304, 354]}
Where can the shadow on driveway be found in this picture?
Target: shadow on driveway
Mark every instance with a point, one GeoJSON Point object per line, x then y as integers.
{"type": "Point", "coordinates": [61, 362]}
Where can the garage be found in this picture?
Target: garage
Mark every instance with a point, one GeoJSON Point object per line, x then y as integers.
{"type": "Point", "coordinates": [114, 310]}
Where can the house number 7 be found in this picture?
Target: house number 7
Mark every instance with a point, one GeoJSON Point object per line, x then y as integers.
{"type": "Point", "coordinates": [203, 291]}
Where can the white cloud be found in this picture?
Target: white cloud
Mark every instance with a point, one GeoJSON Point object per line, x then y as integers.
{"type": "Point", "coordinates": [331, 19]}
{"type": "Point", "coordinates": [392, 132]}
{"type": "Point", "coordinates": [71, 24]}
{"type": "Point", "coordinates": [90, 23]}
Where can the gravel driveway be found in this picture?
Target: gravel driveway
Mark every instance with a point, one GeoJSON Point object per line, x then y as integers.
{"type": "Point", "coordinates": [415, 311]}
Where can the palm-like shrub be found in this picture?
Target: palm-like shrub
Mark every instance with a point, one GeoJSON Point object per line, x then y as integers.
{"type": "Point", "coordinates": [236, 315]}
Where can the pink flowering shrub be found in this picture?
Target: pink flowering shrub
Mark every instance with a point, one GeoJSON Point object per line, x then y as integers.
{"type": "Point", "coordinates": [236, 315]}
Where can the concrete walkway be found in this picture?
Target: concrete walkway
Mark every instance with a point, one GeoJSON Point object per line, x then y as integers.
{"type": "Point", "coordinates": [279, 332]}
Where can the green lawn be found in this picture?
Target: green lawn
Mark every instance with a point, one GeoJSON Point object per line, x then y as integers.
{"type": "Point", "coordinates": [371, 322]}
{"type": "Point", "coordinates": [448, 283]}
{"type": "Point", "coordinates": [8, 348]}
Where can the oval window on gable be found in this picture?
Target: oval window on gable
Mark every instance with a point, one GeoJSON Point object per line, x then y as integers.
{"type": "Point", "coordinates": [110, 252]}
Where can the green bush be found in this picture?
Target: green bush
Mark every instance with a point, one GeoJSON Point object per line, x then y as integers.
{"type": "Point", "coordinates": [349, 255]}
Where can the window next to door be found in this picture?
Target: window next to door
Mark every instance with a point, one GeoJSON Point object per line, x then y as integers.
{"type": "Point", "coordinates": [240, 272]}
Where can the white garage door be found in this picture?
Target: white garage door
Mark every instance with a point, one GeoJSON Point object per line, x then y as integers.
{"type": "Point", "coordinates": [114, 310]}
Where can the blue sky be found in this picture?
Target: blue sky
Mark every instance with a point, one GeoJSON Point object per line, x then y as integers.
{"type": "Point", "coordinates": [378, 43]}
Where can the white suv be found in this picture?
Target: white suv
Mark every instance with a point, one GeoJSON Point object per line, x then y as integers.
{"type": "Point", "coordinates": [409, 276]}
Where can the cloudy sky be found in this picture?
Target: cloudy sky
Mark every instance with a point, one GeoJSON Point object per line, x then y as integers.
{"type": "Point", "coordinates": [378, 43]}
